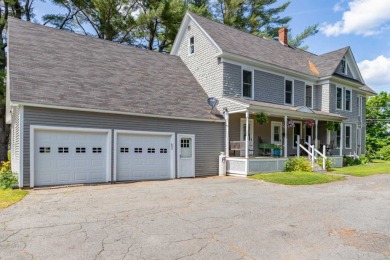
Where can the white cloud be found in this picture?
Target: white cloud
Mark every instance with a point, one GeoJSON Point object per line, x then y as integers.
{"type": "Point", "coordinates": [338, 6]}
{"type": "Point", "coordinates": [364, 17]}
{"type": "Point", "coordinates": [376, 73]}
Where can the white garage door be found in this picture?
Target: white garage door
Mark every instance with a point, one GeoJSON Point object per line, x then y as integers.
{"type": "Point", "coordinates": [64, 157]}
{"type": "Point", "coordinates": [143, 157]}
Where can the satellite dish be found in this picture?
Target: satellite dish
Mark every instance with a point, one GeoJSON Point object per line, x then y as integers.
{"type": "Point", "coordinates": [213, 102]}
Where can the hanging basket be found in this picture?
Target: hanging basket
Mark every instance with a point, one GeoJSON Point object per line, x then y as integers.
{"type": "Point", "coordinates": [261, 118]}
{"type": "Point", "coordinates": [310, 123]}
{"type": "Point", "coordinates": [290, 123]}
{"type": "Point", "coordinates": [333, 126]}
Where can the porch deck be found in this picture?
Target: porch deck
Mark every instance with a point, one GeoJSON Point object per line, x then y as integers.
{"type": "Point", "coordinates": [241, 166]}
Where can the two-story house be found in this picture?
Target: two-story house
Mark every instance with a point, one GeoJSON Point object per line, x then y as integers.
{"type": "Point", "coordinates": [307, 98]}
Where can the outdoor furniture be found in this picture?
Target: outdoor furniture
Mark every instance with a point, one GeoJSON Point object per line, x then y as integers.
{"type": "Point", "coordinates": [274, 150]}
{"type": "Point", "coordinates": [239, 146]}
{"type": "Point", "coordinates": [329, 147]}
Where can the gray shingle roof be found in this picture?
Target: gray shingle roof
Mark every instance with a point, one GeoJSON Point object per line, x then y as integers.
{"type": "Point", "coordinates": [270, 51]}
{"type": "Point", "coordinates": [55, 67]}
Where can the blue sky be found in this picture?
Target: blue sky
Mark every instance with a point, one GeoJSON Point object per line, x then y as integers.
{"type": "Point", "coordinates": [362, 24]}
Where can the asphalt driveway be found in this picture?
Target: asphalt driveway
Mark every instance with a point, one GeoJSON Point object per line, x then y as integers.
{"type": "Point", "coordinates": [203, 218]}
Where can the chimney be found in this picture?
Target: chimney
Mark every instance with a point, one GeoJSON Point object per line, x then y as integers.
{"type": "Point", "coordinates": [283, 36]}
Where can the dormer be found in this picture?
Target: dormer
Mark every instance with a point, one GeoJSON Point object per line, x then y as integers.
{"type": "Point", "coordinates": [348, 67]}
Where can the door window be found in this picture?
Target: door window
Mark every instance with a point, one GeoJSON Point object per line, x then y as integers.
{"type": "Point", "coordinates": [186, 147]}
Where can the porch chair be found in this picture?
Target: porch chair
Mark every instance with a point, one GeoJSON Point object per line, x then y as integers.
{"type": "Point", "coordinates": [329, 147]}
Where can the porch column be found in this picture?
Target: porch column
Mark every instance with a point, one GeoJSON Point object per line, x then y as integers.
{"type": "Point", "coordinates": [227, 133]}
{"type": "Point", "coordinates": [247, 134]}
{"type": "Point", "coordinates": [341, 138]}
{"type": "Point", "coordinates": [285, 136]}
{"type": "Point", "coordinates": [316, 135]}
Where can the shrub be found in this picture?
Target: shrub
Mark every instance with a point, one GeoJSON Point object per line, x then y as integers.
{"type": "Point", "coordinates": [384, 152]}
{"type": "Point", "coordinates": [364, 159]}
{"type": "Point", "coordinates": [300, 164]}
{"type": "Point", "coordinates": [328, 163]}
{"type": "Point", "coordinates": [7, 177]}
{"type": "Point", "coordinates": [350, 161]}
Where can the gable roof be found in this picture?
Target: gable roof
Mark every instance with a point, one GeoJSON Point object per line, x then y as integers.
{"type": "Point", "coordinates": [54, 67]}
{"type": "Point", "coordinates": [270, 51]}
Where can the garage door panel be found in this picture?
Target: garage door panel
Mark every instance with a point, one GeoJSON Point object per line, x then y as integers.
{"type": "Point", "coordinates": [143, 157]}
{"type": "Point", "coordinates": [69, 157]}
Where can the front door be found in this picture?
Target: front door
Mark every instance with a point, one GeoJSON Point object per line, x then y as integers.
{"type": "Point", "coordinates": [185, 156]}
{"type": "Point", "coordinates": [243, 135]}
{"type": "Point", "coordinates": [297, 132]}
{"type": "Point", "coordinates": [309, 134]}
{"type": "Point", "coordinates": [276, 132]}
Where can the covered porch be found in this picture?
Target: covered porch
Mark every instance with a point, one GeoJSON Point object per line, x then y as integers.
{"type": "Point", "coordinates": [266, 146]}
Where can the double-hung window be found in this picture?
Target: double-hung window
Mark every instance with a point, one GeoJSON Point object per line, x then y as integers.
{"type": "Point", "coordinates": [192, 45]}
{"type": "Point", "coordinates": [339, 98]}
{"type": "Point", "coordinates": [309, 96]}
{"type": "Point", "coordinates": [247, 83]}
{"type": "Point", "coordinates": [288, 92]}
{"type": "Point", "coordinates": [348, 99]}
{"type": "Point", "coordinates": [338, 137]}
{"type": "Point", "coordinates": [348, 134]}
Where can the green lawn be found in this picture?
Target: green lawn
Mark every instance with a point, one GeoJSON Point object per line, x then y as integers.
{"type": "Point", "coordinates": [376, 167]}
{"type": "Point", "coordinates": [9, 197]}
{"type": "Point", "coordinates": [296, 178]}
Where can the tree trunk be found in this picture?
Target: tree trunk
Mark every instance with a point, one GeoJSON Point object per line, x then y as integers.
{"type": "Point", "coordinates": [4, 135]}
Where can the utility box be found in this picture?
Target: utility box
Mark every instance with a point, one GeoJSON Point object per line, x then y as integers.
{"type": "Point", "coordinates": [222, 164]}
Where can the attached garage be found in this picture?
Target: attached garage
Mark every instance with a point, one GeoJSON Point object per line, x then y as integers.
{"type": "Point", "coordinates": [61, 156]}
{"type": "Point", "coordinates": [144, 156]}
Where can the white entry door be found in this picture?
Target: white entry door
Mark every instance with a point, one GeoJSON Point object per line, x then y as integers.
{"type": "Point", "coordinates": [185, 156]}
{"type": "Point", "coordinates": [143, 156]}
{"type": "Point", "coordinates": [276, 132]}
{"type": "Point", "coordinates": [243, 135]}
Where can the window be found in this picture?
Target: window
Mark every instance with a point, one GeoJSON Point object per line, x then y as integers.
{"type": "Point", "coordinates": [348, 98]}
{"type": "Point", "coordinates": [63, 150]}
{"type": "Point", "coordinates": [80, 150]}
{"type": "Point", "coordinates": [338, 137]}
{"type": "Point", "coordinates": [163, 150]}
{"type": "Point", "coordinates": [344, 66]}
{"type": "Point", "coordinates": [96, 150]}
{"type": "Point", "coordinates": [192, 45]}
{"type": "Point", "coordinates": [348, 131]}
{"type": "Point", "coordinates": [339, 98]}
{"type": "Point", "coordinates": [247, 83]}
{"type": "Point", "coordinates": [309, 96]}
{"type": "Point", "coordinates": [44, 149]}
{"type": "Point", "coordinates": [137, 150]}
{"type": "Point", "coordinates": [297, 131]}
{"type": "Point", "coordinates": [151, 150]}
{"type": "Point", "coordinates": [124, 149]}
{"type": "Point", "coordinates": [185, 143]}
{"type": "Point", "coordinates": [288, 95]}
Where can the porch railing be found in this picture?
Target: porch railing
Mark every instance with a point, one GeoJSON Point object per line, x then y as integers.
{"type": "Point", "coordinates": [312, 153]}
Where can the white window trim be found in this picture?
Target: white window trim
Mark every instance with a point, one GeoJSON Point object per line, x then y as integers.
{"type": "Point", "coordinates": [342, 98]}
{"type": "Point", "coordinates": [189, 45]}
{"type": "Point", "coordinates": [312, 94]}
{"type": "Point", "coordinates": [345, 71]}
{"type": "Point", "coordinates": [292, 92]}
{"type": "Point", "coordinates": [350, 136]}
{"type": "Point", "coordinates": [253, 82]}
{"type": "Point", "coordinates": [345, 97]}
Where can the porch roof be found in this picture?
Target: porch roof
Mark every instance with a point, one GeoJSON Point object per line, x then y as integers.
{"type": "Point", "coordinates": [281, 110]}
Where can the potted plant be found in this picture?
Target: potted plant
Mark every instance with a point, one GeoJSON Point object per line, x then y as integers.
{"type": "Point", "coordinates": [261, 118]}
{"type": "Point", "coordinates": [333, 126]}
{"type": "Point", "coordinates": [310, 123]}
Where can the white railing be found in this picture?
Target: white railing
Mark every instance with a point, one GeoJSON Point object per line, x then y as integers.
{"type": "Point", "coordinates": [312, 152]}
{"type": "Point", "coordinates": [323, 155]}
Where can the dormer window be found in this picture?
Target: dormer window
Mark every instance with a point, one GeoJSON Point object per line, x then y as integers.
{"type": "Point", "coordinates": [344, 66]}
{"type": "Point", "coordinates": [192, 45]}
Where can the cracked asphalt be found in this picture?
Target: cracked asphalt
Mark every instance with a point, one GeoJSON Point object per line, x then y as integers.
{"type": "Point", "coordinates": [202, 218]}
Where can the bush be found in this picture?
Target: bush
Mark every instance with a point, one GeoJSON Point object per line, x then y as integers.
{"type": "Point", "coordinates": [384, 153]}
{"type": "Point", "coordinates": [7, 177]}
{"type": "Point", "coordinates": [328, 163]}
{"type": "Point", "coordinates": [350, 161]}
{"type": "Point", "coordinates": [298, 164]}
{"type": "Point", "coordinates": [364, 159]}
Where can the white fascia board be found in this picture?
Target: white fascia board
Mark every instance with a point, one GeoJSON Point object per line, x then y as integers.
{"type": "Point", "coordinates": [182, 30]}
{"type": "Point", "coordinates": [115, 112]}
{"type": "Point", "coordinates": [242, 61]}
{"type": "Point", "coordinates": [355, 66]}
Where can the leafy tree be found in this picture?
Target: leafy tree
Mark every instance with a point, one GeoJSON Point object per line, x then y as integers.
{"type": "Point", "coordinates": [378, 122]}
{"type": "Point", "coordinates": [258, 18]}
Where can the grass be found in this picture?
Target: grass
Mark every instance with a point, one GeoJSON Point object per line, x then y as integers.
{"type": "Point", "coordinates": [296, 178]}
{"type": "Point", "coordinates": [376, 167]}
{"type": "Point", "coordinates": [9, 197]}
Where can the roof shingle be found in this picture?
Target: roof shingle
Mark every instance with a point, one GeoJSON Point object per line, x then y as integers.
{"type": "Point", "coordinates": [55, 67]}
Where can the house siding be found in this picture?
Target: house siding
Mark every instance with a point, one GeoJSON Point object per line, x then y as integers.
{"type": "Point", "coordinates": [209, 136]}
{"type": "Point", "coordinates": [206, 69]}
{"type": "Point", "coordinates": [269, 87]}
{"type": "Point", "coordinates": [232, 79]}
{"type": "Point", "coordinates": [299, 93]}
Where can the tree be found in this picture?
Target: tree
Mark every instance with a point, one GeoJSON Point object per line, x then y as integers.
{"type": "Point", "coordinates": [378, 122]}
{"type": "Point", "coordinates": [258, 18]}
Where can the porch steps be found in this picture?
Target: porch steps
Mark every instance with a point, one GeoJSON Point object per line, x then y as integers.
{"type": "Point", "coordinates": [318, 169]}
